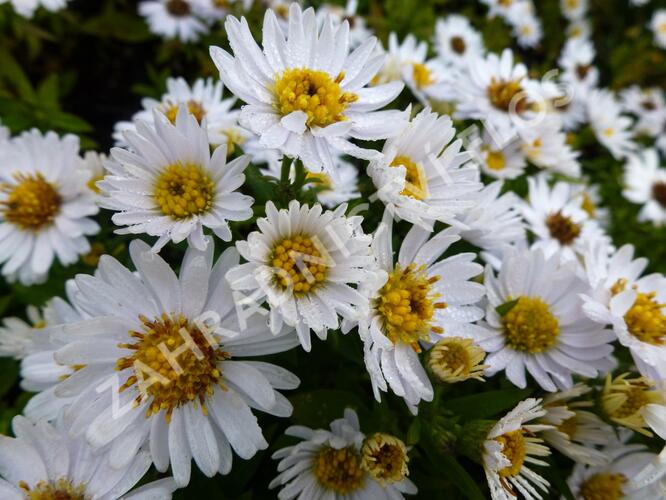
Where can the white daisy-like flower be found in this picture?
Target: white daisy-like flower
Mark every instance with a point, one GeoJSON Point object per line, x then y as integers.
{"type": "Point", "coordinates": [303, 261]}
{"type": "Point", "coordinates": [45, 205]}
{"type": "Point", "coordinates": [456, 40]}
{"type": "Point", "coordinates": [16, 335]}
{"type": "Point", "coordinates": [414, 302]}
{"type": "Point", "coordinates": [342, 464]}
{"type": "Point", "coordinates": [158, 363]}
{"type": "Point", "coordinates": [211, 11]}
{"type": "Point", "coordinates": [169, 185]}
{"type": "Point", "coordinates": [577, 63]}
{"type": "Point", "coordinates": [658, 26]}
{"type": "Point", "coordinates": [648, 105]}
{"type": "Point", "coordinates": [580, 28]}
{"type": "Point", "coordinates": [497, 158]}
{"type": "Point", "coordinates": [645, 184]}
{"type": "Point", "coordinates": [526, 26]}
{"type": "Point", "coordinates": [358, 30]}
{"type": "Point", "coordinates": [574, 9]}
{"type": "Point", "coordinates": [27, 8]}
{"type": "Point", "coordinates": [534, 321]}
{"type": "Point", "coordinates": [93, 165]}
{"type": "Point", "coordinates": [576, 430]}
{"type": "Point", "coordinates": [203, 100]}
{"type": "Point", "coordinates": [612, 128]}
{"type": "Point", "coordinates": [557, 220]}
{"type": "Point", "coordinates": [632, 304]}
{"type": "Point", "coordinates": [589, 197]}
{"type": "Point", "coordinates": [174, 19]}
{"type": "Point", "coordinates": [501, 8]}
{"type": "Point", "coordinates": [510, 448]}
{"type": "Point", "coordinates": [422, 178]}
{"type": "Point", "coordinates": [44, 462]}
{"type": "Point", "coordinates": [306, 94]}
{"type": "Point", "coordinates": [545, 145]}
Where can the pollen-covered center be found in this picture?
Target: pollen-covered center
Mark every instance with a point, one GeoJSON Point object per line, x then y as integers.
{"type": "Point", "coordinates": [339, 470]}
{"type": "Point", "coordinates": [178, 8]}
{"type": "Point", "coordinates": [416, 183]}
{"type": "Point", "coordinates": [508, 96]}
{"type": "Point", "coordinates": [659, 193]}
{"type": "Point", "coordinates": [646, 320]}
{"type": "Point", "coordinates": [422, 75]}
{"type": "Point", "coordinates": [300, 264]}
{"type": "Point", "coordinates": [174, 363]}
{"type": "Point", "coordinates": [313, 92]}
{"type": "Point", "coordinates": [407, 304]}
{"type": "Point", "coordinates": [603, 486]}
{"type": "Point", "coordinates": [458, 45]}
{"type": "Point", "coordinates": [514, 449]}
{"type": "Point", "coordinates": [562, 228]}
{"type": "Point", "coordinates": [636, 398]}
{"type": "Point", "coordinates": [530, 326]}
{"type": "Point", "coordinates": [495, 160]}
{"type": "Point", "coordinates": [31, 204]}
{"type": "Point", "coordinates": [321, 180]}
{"type": "Point", "coordinates": [454, 359]}
{"type": "Point", "coordinates": [385, 458]}
{"type": "Point", "coordinates": [195, 108]}
{"type": "Point", "coordinates": [62, 489]}
{"type": "Point", "coordinates": [182, 191]}
{"type": "Point", "coordinates": [569, 426]}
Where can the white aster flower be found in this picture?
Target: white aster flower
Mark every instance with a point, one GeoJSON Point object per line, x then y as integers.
{"type": "Point", "coordinates": [174, 19]}
{"type": "Point", "coordinates": [577, 63]}
{"type": "Point", "coordinates": [44, 205]}
{"type": "Point", "coordinates": [645, 184]}
{"type": "Point", "coordinates": [574, 9]}
{"type": "Point", "coordinates": [165, 351]}
{"type": "Point", "coordinates": [501, 8]}
{"type": "Point", "coordinates": [211, 11]}
{"type": "Point", "coordinates": [17, 335]}
{"type": "Point", "coordinates": [358, 31]}
{"type": "Point", "coordinates": [510, 448]}
{"type": "Point", "coordinates": [413, 304]}
{"type": "Point", "coordinates": [526, 26]}
{"type": "Point", "coordinates": [27, 8]}
{"type": "Point", "coordinates": [589, 197]}
{"type": "Point", "coordinates": [534, 321]}
{"type": "Point", "coordinates": [342, 464]}
{"type": "Point", "coordinates": [658, 26]}
{"type": "Point", "coordinates": [303, 261]}
{"type": "Point", "coordinates": [497, 158]}
{"type": "Point", "coordinates": [169, 185]}
{"type": "Point", "coordinates": [307, 95]}
{"type": "Point", "coordinates": [456, 40]}
{"type": "Point", "coordinates": [422, 178]}
{"type": "Point", "coordinates": [45, 462]}
{"type": "Point", "coordinates": [580, 28]}
{"type": "Point", "coordinates": [611, 128]}
{"type": "Point", "coordinates": [648, 105]}
{"type": "Point", "coordinates": [545, 145]}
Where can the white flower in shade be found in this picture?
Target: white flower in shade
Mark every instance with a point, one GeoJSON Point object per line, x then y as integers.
{"type": "Point", "coordinates": [27, 8]}
{"type": "Point", "coordinates": [203, 100]}
{"type": "Point", "coordinates": [648, 105]}
{"type": "Point", "coordinates": [215, 10]}
{"type": "Point", "coordinates": [169, 185]}
{"type": "Point", "coordinates": [45, 205]}
{"type": "Point", "coordinates": [645, 184]}
{"type": "Point", "coordinates": [580, 28]}
{"type": "Point", "coordinates": [634, 305]}
{"type": "Point", "coordinates": [510, 448]}
{"type": "Point", "coordinates": [557, 220]}
{"type": "Point", "coordinates": [5, 134]}
{"type": "Point", "coordinates": [174, 19]}
{"type": "Point", "coordinates": [93, 165]}
{"type": "Point", "coordinates": [535, 322]}
{"type": "Point", "coordinates": [589, 198]}
{"type": "Point", "coordinates": [611, 128]}
{"type": "Point", "coordinates": [456, 40]}
{"type": "Point", "coordinates": [307, 95]}
{"type": "Point", "coordinates": [576, 430]}
{"type": "Point", "coordinates": [655, 416]}
{"type": "Point", "coordinates": [16, 335]}
{"type": "Point", "coordinates": [497, 158]}
{"type": "Point", "coordinates": [303, 261]}
{"type": "Point", "coordinates": [165, 351]}
{"type": "Point", "coordinates": [545, 145]}
{"type": "Point", "coordinates": [500, 7]}
{"type": "Point", "coordinates": [577, 63]}
{"type": "Point", "coordinates": [358, 31]}
{"type": "Point", "coordinates": [45, 462]}
{"type": "Point", "coordinates": [342, 463]}
{"type": "Point", "coordinates": [658, 26]}
{"type": "Point", "coordinates": [414, 302]}
{"type": "Point", "coordinates": [422, 178]}
{"type": "Point", "coordinates": [574, 9]}
{"type": "Point", "coordinates": [526, 26]}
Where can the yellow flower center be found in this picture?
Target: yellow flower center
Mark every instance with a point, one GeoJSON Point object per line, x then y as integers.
{"type": "Point", "coordinates": [422, 75]}
{"type": "Point", "coordinates": [454, 359]}
{"type": "Point", "coordinates": [609, 132]}
{"type": "Point", "coordinates": [195, 108]}
{"type": "Point", "coordinates": [508, 96]}
{"type": "Point", "coordinates": [623, 399]}
{"type": "Point", "coordinates": [407, 304]}
{"type": "Point", "coordinates": [182, 191]}
{"type": "Point", "coordinates": [458, 45]}
{"type": "Point", "coordinates": [571, 4]}
{"type": "Point", "coordinates": [513, 448]}
{"type": "Point", "coordinates": [62, 489]}
{"type": "Point", "coordinates": [339, 470]}
{"type": "Point", "coordinates": [32, 204]}
{"type": "Point", "coordinates": [495, 160]}
{"type": "Point", "coordinates": [569, 426]}
{"type": "Point", "coordinates": [661, 28]}
{"type": "Point", "coordinates": [234, 138]}
{"type": "Point", "coordinates": [174, 363]}
{"type": "Point", "coordinates": [636, 398]}
{"type": "Point", "coordinates": [416, 183]}
{"type": "Point", "coordinates": [603, 486]}
{"type": "Point", "coordinates": [178, 8]}
{"type": "Point", "coordinates": [324, 181]}
{"type": "Point", "coordinates": [92, 183]}
{"type": "Point", "coordinates": [588, 205]}
{"type": "Point", "coordinates": [562, 228]}
{"type": "Point", "coordinates": [530, 326]}
{"type": "Point", "coordinates": [385, 458]}
{"type": "Point", "coordinates": [646, 320]}
{"type": "Point", "coordinates": [313, 92]}
{"type": "Point", "coordinates": [300, 264]}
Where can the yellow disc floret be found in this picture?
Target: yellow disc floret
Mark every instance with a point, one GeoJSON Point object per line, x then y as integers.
{"type": "Point", "coordinates": [422, 75]}
{"type": "Point", "coordinates": [182, 191]}
{"type": "Point", "coordinates": [514, 449]}
{"type": "Point", "coordinates": [416, 183]}
{"type": "Point", "coordinates": [195, 108]}
{"type": "Point", "coordinates": [508, 96]}
{"type": "Point", "coordinates": [530, 326]}
{"type": "Point", "coordinates": [455, 359]}
{"type": "Point", "coordinates": [646, 320]}
{"type": "Point", "coordinates": [495, 160]}
{"type": "Point", "coordinates": [385, 458]}
{"type": "Point", "coordinates": [32, 204]}
{"type": "Point", "coordinates": [62, 489]}
{"type": "Point", "coordinates": [300, 264]}
{"type": "Point", "coordinates": [339, 470]}
{"type": "Point", "coordinates": [623, 399]}
{"type": "Point", "coordinates": [603, 486]}
{"type": "Point", "coordinates": [313, 92]}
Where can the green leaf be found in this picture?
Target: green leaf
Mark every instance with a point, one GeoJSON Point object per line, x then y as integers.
{"type": "Point", "coordinates": [414, 432]}
{"type": "Point", "coordinates": [503, 309]}
{"type": "Point", "coordinates": [459, 476]}
{"type": "Point", "coordinates": [487, 404]}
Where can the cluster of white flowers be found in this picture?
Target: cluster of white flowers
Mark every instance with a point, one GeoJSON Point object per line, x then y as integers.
{"type": "Point", "coordinates": [141, 365]}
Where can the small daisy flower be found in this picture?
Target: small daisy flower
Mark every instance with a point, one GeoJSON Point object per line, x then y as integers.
{"type": "Point", "coordinates": [623, 400]}
{"type": "Point", "coordinates": [27, 8]}
{"type": "Point", "coordinates": [645, 184]}
{"type": "Point", "coordinates": [342, 463]}
{"type": "Point", "coordinates": [174, 19]}
{"type": "Point", "coordinates": [576, 430]}
{"type": "Point", "coordinates": [589, 197]}
{"type": "Point", "coordinates": [648, 105]}
{"type": "Point", "coordinates": [307, 95]}
{"type": "Point", "coordinates": [611, 128]}
{"type": "Point", "coordinates": [93, 165]}
{"type": "Point", "coordinates": [658, 26]}
{"type": "Point", "coordinates": [510, 448]}
{"type": "Point", "coordinates": [358, 30]}
{"type": "Point", "coordinates": [16, 335]}
{"type": "Point", "coordinates": [545, 145]}
{"type": "Point", "coordinates": [580, 29]}
{"type": "Point", "coordinates": [574, 9]}
{"type": "Point", "coordinates": [44, 462]}
{"type": "Point", "coordinates": [497, 158]}
{"type": "Point", "coordinates": [456, 40]}
{"type": "Point", "coordinates": [422, 178]}
{"type": "Point", "coordinates": [526, 26]}
{"type": "Point", "coordinates": [535, 322]}
{"type": "Point", "coordinates": [413, 303]}
{"type": "Point", "coordinates": [211, 11]}
{"type": "Point", "coordinates": [500, 8]}
{"type": "Point", "coordinates": [577, 63]}
{"type": "Point", "coordinates": [45, 205]}
{"type": "Point", "coordinates": [456, 359]}
{"type": "Point", "coordinates": [169, 185]}
{"type": "Point", "coordinates": [303, 261]}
